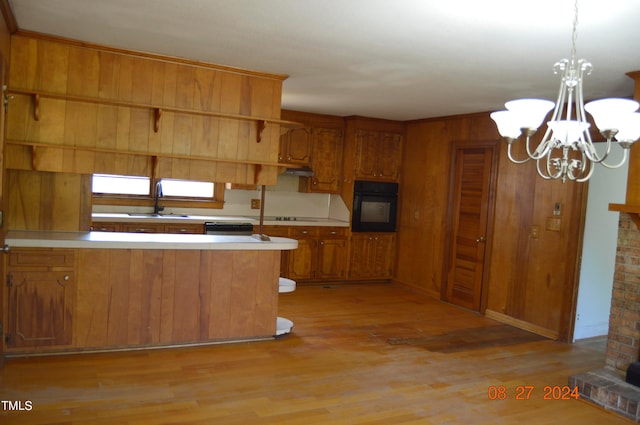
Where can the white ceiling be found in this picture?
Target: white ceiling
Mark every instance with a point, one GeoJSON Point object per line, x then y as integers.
{"type": "Point", "coordinates": [396, 59]}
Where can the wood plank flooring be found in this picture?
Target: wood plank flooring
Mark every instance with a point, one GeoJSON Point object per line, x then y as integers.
{"type": "Point", "coordinates": [343, 364]}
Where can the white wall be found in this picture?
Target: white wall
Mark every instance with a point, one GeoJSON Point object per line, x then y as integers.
{"type": "Point", "coordinates": [599, 252]}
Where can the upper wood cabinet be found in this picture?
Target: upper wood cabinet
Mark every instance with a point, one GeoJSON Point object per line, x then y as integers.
{"type": "Point", "coordinates": [378, 155]}
{"type": "Point", "coordinates": [326, 162]}
{"type": "Point", "coordinates": [88, 109]}
{"type": "Point", "coordinates": [295, 146]}
{"type": "Point", "coordinates": [324, 141]}
{"type": "Point", "coordinates": [372, 151]}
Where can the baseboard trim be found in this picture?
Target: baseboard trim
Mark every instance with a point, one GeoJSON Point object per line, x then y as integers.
{"type": "Point", "coordinates": [539, 330]}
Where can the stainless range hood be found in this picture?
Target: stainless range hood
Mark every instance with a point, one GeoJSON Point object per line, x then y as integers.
{"type": "Point", "coordinates": [299, 172]}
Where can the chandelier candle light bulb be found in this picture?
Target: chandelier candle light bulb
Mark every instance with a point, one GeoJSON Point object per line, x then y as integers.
{"type": "Point", "coordinates": [566, 150]}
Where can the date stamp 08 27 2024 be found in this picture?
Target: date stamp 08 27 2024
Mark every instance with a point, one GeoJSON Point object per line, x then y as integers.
{"type": "Point", "coordinates": [528, 392]}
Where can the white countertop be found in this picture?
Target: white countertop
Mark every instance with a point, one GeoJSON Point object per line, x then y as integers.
{"type": "Point", "coordinates": [116, 240]}
{"type": "Point", "coordinates": [197, 219]}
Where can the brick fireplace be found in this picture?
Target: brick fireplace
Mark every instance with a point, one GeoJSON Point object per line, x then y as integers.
{"type": "Point", "coordinates": [606, 387]}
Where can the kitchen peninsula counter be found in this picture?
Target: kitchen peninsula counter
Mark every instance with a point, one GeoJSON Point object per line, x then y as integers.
{"type": "Point", "coordinates": [121, 240]}
{"type": "Point", "coordinates": [100, 291]}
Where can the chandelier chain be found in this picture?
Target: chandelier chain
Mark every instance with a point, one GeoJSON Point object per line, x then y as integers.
{"type": "Point", "coordinates": [574, 34]}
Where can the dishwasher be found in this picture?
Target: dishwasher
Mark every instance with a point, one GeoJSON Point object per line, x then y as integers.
{"type": "Point", "coordinates": [228, 228]}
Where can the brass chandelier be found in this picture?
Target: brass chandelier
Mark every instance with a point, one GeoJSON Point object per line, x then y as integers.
{"type": "Point", "coordinates": [566, 150]}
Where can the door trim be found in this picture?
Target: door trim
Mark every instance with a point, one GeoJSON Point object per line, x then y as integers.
{"type": "Point", "coordinates": [493, 179]}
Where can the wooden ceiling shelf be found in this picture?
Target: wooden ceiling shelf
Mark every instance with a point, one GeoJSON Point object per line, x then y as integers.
{"type": "Point", "coordinates": [632, 210]}
{"type": "Point", "coordinates": [156, 110]}
{"type": "Point", "coordinates": [35, 146]}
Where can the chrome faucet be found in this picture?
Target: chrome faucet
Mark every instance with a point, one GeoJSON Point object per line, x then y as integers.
{"type": "Point", "coordinates": [158, 195]}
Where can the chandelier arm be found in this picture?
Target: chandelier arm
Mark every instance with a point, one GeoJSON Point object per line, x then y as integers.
{"type": "Point", "coordinates": [592, 154]}
{"type": "Point", "coordinates": [580, 112]}
{"type": "Point", "coordinates": [563, 65]}
{"type": "Point", "coordinates": [550, 162]}
{"type": "Point", "coordinates": [582, 169]}
{"type": "Point", "coordinates": [588, 176]}
{"type": "Point", "coordinates": [511, 158]}
{"type": "Point", "coordinates": [543, 147]}
{"type": "Point", "coordinates": [540, 173]}
{"type": "Point", "coordinates": [625, 156]}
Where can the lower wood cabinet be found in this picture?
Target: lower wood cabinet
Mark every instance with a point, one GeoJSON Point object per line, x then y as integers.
{"type": "Point", "coordinates": [70, 300]}
{"type": "Point", "coordinates": [325, 253]}
{"type": "Point", "coordinates": [321, 253]}
{"type": "Point", "coordinates": [372, 256]}
{"type": "Point", "coordinates": [331, 260]}
{"type": "Point", "coordinates": [40, 297]}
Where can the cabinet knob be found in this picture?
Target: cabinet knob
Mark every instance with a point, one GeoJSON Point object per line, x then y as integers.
{"type": "Point", "coordinates": [66, 277]}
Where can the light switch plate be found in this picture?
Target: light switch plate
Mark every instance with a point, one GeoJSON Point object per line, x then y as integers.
{"type": "Point", "coordinates": [553, 224]}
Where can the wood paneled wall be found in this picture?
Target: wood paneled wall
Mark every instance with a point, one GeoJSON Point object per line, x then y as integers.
{"type": "Point", "coordinates": [5, 53]}
{"type": "Point", "coordinates": [156, 297]}
{"type": "Point", "coordinates": [70, 134]}
{"type": "Point", "coordinates": [531, 280]}
{"type": "Point", "coordinates": [48, 201]}
{"type": "Point", "coordinates": [633, 179]}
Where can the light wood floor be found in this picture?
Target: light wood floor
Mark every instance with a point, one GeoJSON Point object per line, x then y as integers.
{"type": "Point", "coordinates": [359, 354]}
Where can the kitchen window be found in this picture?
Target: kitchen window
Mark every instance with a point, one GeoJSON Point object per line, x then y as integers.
{"type": "Point", "coordinates": [109, 189]}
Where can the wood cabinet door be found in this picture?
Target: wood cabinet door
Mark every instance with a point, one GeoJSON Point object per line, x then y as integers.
{"type": "Point", "coordinates": [142, 228]}
{"type": "Point", "coordinates": [366, 150]}
{"type": "Point", "coordinates": [332, 259]}
{"type": "Point", "coordinates": [382, 253]}
{"type": "Point", "coordinates": [326, 160]}
{"type": "Point", "coordinates": [302, 260]}
{"type": "Point", "coordinates": [295, 146]}
{"type": "Point", "coordinates": [372, 256]}
{"type": "Point", "coordinates": [361, 246]}
{"type": "Point", "coordinates": [184, 228]}
{"type": "Point", "coordinates": [389, 156]}
{"type": "Point", "coordinates": [40, 308]}
{"type": "Point", "coordinates": [378, 155]}
{"type": "Point", "coordinates": [106, 227]}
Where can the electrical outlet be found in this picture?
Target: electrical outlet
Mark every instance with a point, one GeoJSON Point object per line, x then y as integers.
{"type": "Point", "coordinates": [255, 204]}
{"type": "Point", "coordinates": [534, 232]}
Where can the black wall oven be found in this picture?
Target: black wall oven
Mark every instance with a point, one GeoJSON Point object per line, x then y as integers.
{"type": "Point", "coordinates": [375, 206]}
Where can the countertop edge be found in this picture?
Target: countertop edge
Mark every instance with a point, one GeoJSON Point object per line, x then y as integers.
{"type": "Point", "coordinates": [117, 240]}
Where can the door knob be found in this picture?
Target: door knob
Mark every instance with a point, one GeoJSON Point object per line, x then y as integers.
{"type": "Point", "coordinates": [480, 239]}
